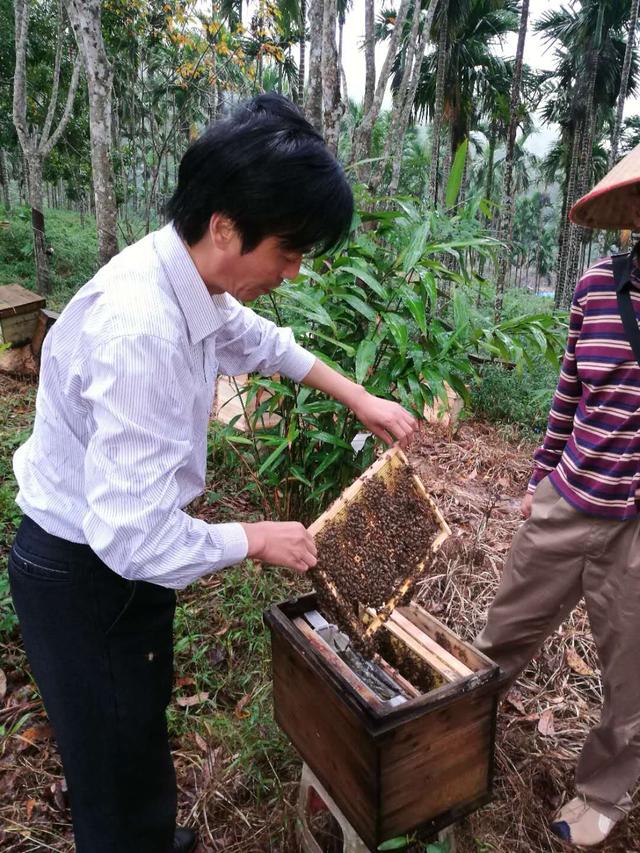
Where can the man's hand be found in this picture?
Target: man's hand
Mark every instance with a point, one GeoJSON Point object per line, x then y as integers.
{"type": "Point", "coordinates": [384, 418]}
{"type": "Point", "coordinates": [281, 543]}
{"type": "Point", "coordinates": [525, 506]}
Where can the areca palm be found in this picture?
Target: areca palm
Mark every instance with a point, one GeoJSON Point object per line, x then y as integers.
{"type": "Point", "coordinates": [590, 47]}
{"type": "Point", "coordinates": [472, 69]}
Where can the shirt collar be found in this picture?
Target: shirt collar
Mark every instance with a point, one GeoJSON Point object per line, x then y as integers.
{"type": "Point", "coordinates": [204, 312]}
{"type": "Point", "coordinates": [625, 271]}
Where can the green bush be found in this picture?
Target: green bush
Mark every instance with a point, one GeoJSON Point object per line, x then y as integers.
{"type": "Point", "coordinates": [521, 397]}
{"type": "Point", "coordinates": [375, 313]}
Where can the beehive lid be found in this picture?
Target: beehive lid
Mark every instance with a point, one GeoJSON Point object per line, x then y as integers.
{"type": "Point", "coordinates": [15, 299]}
{"type": "Point", "coordinates": [375, 541]}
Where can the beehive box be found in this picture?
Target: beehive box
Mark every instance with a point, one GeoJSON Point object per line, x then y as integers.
{"type": "Point", "coordinates": [418, 766]}
{"type": "Point", "coordinates": [391, 768]}
{"type": "Point", "coordinates": [19, 310]}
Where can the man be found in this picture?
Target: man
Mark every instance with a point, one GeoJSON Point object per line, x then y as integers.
{"type": "Point", "coordinates": [119, 449]}
{"type": "Point", "coordinates": [581, 536]}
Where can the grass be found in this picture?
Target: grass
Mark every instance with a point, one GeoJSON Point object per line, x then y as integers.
{"type": "Point", "coordinates": [520, 398]}
{"type": "Point", "coordinates": [74, 258]}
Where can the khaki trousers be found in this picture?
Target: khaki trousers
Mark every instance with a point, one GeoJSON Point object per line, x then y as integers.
{"type": "Point", "coordinates": [558, 556]}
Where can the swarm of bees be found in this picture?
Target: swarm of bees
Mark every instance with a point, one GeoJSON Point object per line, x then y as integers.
{"type": "Point", "coordinates": [375, 542]}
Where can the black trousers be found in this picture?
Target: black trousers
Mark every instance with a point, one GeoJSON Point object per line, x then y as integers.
{"type": "Point", "coordinates": [101, 651]}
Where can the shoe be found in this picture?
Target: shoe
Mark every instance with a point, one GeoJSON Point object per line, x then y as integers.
{"type": "Point", "coordinates": [184, 840]}
{"type": "Point", "coordinates": [580, 824]}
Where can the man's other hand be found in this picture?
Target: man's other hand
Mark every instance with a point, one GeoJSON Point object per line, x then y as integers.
{"type": "Point", "coordinates": [385, 419]}
{"type": "Point", "coordinates": [525, 506]}
{"type": "Point", "coordinates": [281, 543]}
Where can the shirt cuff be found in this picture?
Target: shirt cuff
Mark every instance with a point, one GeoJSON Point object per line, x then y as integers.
{"type": "Point", "coordinates": [234, 542]}
{"type": "Point", "coordinates": [297, 363]}
{"type": "Point", "coordinates": [538, 475]}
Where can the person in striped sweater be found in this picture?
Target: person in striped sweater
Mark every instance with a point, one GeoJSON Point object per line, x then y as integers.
{"type": "Point", "coordinates": [581, 536]}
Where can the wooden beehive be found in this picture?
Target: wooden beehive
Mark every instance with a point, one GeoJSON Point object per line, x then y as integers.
{"type": "Point", "coordinates": [392, 770]}
{"type": "Point", "coordinates": [19, 312]}
{"type": "Point", "coordinates": [391, 767]}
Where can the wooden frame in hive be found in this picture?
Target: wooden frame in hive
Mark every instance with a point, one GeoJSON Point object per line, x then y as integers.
{"type": "Point", "coordinates": [381, 469]}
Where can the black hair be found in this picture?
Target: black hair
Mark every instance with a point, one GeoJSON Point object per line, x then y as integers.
{"type": "Point", "coordinates": [271, 174]}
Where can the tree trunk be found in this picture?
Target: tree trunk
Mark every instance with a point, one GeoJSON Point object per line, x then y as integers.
{"type": "Point", "coordinates": [33, 169]}
{"type": "Point", "coordinates": [333, 106]}
{"type": "Point", "coordinates": [302, 44]}
{"type": "Point", "coordinates": [369, 55]}
{"type": "Point", "coordinates": [37, 144]}
{"type": "Point", "coordinates": [438, 109]}
{"type": "Point", "coordinates": [573, 146]}
{"type": "Point", "coordinates": [4, 179]}
{"type": "Point", "coordinates": [361, 147]}
{"type": "Point", "coordinates": [313, 104]}
{"type": "Point", "coordinates": [506, 214]}
{"type": "Point", "coordinates": [86, 21]}
{"type": "Point", "coordinates": [624, 83]}
{"type": "Point", "coordinates": [404, 98]}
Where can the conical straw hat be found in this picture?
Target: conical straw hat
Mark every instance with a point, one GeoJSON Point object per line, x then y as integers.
{"type": "Point", "coordinates": [615, 202]}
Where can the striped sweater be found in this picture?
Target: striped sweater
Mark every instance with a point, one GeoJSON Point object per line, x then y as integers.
{"type": "Point", "coordinates": [591, 450]}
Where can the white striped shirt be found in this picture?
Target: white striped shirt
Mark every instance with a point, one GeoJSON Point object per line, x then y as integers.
{"type": "Point", "coordinates": [126, 389]}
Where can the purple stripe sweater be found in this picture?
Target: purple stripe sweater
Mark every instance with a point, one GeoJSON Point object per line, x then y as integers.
{"type": "Point", "coordinates": [591, 450]}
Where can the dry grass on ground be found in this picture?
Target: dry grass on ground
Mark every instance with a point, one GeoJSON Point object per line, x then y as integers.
{"type": "Point", "coordinates": [236, 773]}
{"type": "Point", "coordinates": [478, 480]}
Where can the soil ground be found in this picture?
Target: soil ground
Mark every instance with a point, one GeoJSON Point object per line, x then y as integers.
{"type": "Point", "coordinates": [237, 776]}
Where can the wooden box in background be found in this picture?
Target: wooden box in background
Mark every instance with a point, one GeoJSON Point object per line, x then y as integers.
{"type": "Point", "coordinates": [420, 765]}
{"type": "Point", "coordinates": [19, 312]}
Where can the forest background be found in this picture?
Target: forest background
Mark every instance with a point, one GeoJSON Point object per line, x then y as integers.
{"type": "Point", "coordinates": [461, 263]}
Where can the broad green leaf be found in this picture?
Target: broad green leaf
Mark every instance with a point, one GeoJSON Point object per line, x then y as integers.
{"type": "Point", "coordinates": [399, 331]}
{"type": "Point", "coordinates": [395, 843]}
{"type": "Point", "coordinates": [416, 308]}
{"type": "Point", "coordinates": [327, 462]}
{"type": "Point", "coordinates": [365, 357]}
{"type": "Point", "coordinates": [415, 248]}
{"type": "Point", "coordinates": [272, 458]}
{"type": "Point", "coordinates": [327, 438]}
{"type": "Point", "coordinates": [367, 277]}
{"type": "Point", "coordinates": [455, 175]}
{"type": "Point", "coordinates": [349, 350]}
{"type": "Point", "coordinates": [461, 314]}
{"type": "Point", "coordinates": [360, 306]}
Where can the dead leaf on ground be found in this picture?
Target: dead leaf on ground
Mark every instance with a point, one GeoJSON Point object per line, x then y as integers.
{"type": "Point", "coordinates": [35, 734]}
{"type": "Point", "coordinates": [30, 806]}
{"type": "Point", "coordinates": [514, 698]}
{"type": "Point", "coordinates": [3, 685]}
{"type": "Point", "coordinates": [189, 701]}
{"type": "Point", "coordinates": [239, 711]}
{"type": "Point", "coordinates": [546, 723]}
{"type": "Point", "coordinates": [577, 664]}
{"type": "Point", "coordinates": [59, 791]}
{"type": "Point", "coordinates": [216, 655]}
{"type": "Point", "coordinates": [200, 742]}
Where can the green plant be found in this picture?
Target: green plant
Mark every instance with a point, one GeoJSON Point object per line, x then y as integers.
{"type": "Point", "coordinates": [516, 397]}
{"type": "Point", "coordinates": [403, 841]}
{"type": "Point", "coordinates": [392, 310]}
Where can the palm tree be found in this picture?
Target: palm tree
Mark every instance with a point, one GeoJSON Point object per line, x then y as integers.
{"type": "Point", "coordinates": [589, 59]}
{"type": "Point", "coordinates": [456, 76]}
{"type": "Point", "coordinates": [624, 82]}
{"type": "Point", "coordinates": [506, 208]}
